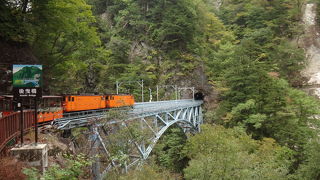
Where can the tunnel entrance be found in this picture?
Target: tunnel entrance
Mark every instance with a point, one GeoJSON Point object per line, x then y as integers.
{"type": "Point", "coordinates": [198, 96]}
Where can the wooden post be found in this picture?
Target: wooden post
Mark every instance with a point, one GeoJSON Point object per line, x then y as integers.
{"type": "Point", "coordinates": [36, 120]}
{"type": "Point", "coordinates": [21, 121]}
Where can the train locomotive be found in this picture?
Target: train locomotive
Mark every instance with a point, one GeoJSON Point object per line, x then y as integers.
{"type": "Point", "coordinates": [53, 107]}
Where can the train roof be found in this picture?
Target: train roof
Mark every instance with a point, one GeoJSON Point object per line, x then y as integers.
{"type": "Point", "coordinates": [47, 96]}
{"type": "Point", "coordinates": [83, 95]}
{"type": "Point", "coordinates": [99, 95]}
{"type": "Point", "coordinates": [119, 94]}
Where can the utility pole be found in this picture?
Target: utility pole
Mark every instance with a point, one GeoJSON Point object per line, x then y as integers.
{"type": "Point", "coordinates": [193, 93]}
{"type": "Point", "coordinates": [118, 84]}
{"type": "Point", "coordinates": [175, 87]}
{"type": "Point", "coordinates": [157, 93]}
{"type": "Point", "coordinates": [117, 87]}
{"type": "Point", "coordinates": [186, 88]}
{"type": "Point", "coordinates": [142, 90]}
{"type": "Point", "coordinates": [150, 95]}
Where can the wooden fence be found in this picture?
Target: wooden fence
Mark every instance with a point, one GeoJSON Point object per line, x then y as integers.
{"type": "Point", "coordinates": [10, 126]}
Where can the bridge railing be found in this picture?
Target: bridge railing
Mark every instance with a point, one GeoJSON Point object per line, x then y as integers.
{"type": "Point", "coordinates": [10, 126]}
{"type": "Point", "coordinates": [163, 105]}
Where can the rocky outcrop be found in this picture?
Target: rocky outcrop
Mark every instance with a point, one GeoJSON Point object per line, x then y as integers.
{"type": "Point", "coordinates": [311, 44]}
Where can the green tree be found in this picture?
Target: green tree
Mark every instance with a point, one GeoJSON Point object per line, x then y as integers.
{"type": "Point", "coordinates": [309, 168]}
{"type": "Point", "coordinates": [219, 153]}
{"type": "Point", "coordinates": [146, 172]}
{"type": "Point", "coordinates": [169, 150]}
{"type": "Point", "coordinates": [265, 27]}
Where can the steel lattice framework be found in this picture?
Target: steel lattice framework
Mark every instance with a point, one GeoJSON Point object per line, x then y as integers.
{"type": "Point", "coordinates": [153, 118]}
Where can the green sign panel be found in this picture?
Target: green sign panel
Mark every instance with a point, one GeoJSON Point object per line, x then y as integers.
{"type": "Point", "coordinates": [27, 76]}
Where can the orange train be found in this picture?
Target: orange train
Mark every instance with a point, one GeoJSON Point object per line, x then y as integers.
{"type": "Point", "coordinates": [53, 107]}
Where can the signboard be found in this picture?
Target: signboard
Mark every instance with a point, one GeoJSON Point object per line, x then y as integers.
{"type": "Point", "coordinates": [27, 80]}
{"type": "Point", "coordinates": [27, 83]}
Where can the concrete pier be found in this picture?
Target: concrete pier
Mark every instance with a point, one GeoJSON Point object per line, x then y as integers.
{"type": "Point", "coordinates": [32, 154]}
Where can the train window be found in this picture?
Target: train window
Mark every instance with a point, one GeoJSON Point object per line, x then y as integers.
{"type": "Point", "coordinates": [58, 102]}
{"type": "Point", "coordinates": [69, 98]}
{"type": "Point", "coordinates": [46, 102]}
{"type": "Point", "coordinates": [1, 104]}
{"type": "Point", "coordinates": [7, 105]}
{"type": "Point", "coordinates": [51, 102]}
{"type": "Point", "coordinates": [40, 105]}
{"type": "Point", "coordinates": [72, 98]}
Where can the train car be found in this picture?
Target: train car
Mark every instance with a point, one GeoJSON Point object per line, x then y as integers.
{"type": "Point", "coordinates": [50, 107]}
{"type": "Point", "coordinates": [53, 107]}
{"type": "Point", "coordinates": [83, 102]}
{"type": "Point", "coordinates": [119, 100]}
{"type": "Point", "coordinates": [5, 107]}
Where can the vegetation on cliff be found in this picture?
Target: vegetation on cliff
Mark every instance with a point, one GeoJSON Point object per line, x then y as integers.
{"type": "Point", "coordinates": [242, 49]}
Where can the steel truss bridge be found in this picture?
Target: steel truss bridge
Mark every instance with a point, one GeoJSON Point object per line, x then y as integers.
{"type": "Point", "coordinates": [143, 125]}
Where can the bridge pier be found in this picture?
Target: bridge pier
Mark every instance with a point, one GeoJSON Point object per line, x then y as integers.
{"type": "Point", "coordinates": [66, 133]}
{"type": "Point", "coordinates": [33, 154]}
{"type": "Point", "coordinates": [95, 143]}
{"type": "Point", "coordinates": [200, 119]}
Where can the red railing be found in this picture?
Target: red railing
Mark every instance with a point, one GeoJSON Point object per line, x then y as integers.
{"type": "Point", "coordinates": [10, 126]}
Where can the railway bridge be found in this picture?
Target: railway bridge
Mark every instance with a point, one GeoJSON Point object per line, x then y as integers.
{"type": "Point", "coordinates": [143, 125]}
{"type": "Point", "coordinates": [121, 138]}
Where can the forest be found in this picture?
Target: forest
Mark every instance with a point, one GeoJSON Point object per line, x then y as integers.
{"type": "Point", "coordinates": [242, 54]}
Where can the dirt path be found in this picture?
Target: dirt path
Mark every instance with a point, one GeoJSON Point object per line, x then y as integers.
{"type": "Point", "coordinates": [310, 42]}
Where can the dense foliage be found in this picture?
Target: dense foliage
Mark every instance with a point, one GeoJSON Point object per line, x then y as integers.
{"type": "Point", "coordinates": [76, 167]}
{"type": "Point", "coordinates": [146, 172]}
{"type": "Point", "coordinates": [219, 153]}
{"type": "Point", "coordinates": [169, 151]}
